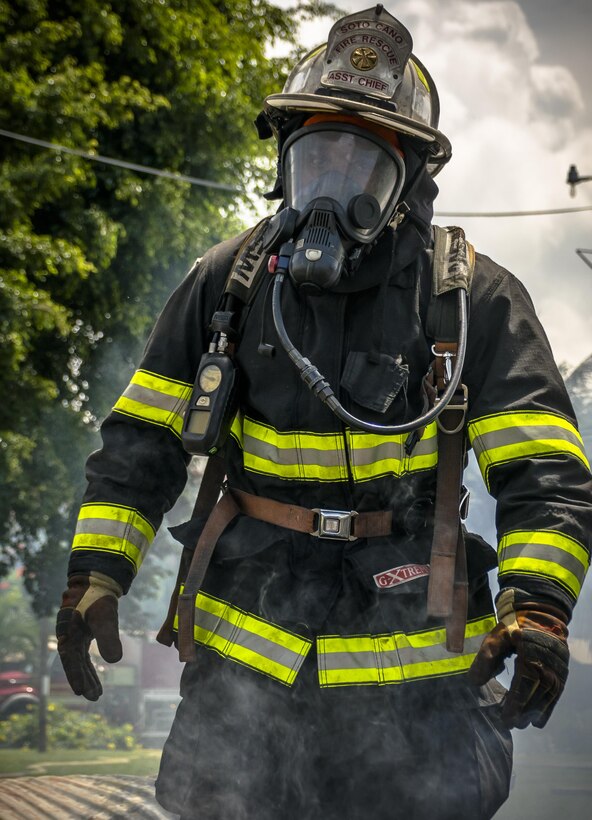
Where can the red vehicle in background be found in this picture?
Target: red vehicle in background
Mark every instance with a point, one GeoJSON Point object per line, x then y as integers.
{"type": "Point", "coordinates": [17, 692]}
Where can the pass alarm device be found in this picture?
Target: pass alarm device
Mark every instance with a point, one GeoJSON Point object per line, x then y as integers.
{"type": "Point", "coordinates": [213, 401]}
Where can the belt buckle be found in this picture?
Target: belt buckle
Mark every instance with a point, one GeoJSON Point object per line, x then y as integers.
{"type": "Point", "coordinates": [334, 524]}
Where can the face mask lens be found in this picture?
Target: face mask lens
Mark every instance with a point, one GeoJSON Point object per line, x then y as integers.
{"type": "Point", "coordinates": [340, 165]}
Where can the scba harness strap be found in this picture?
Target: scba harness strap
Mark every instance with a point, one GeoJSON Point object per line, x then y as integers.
{"type": "Point", "coordinates": [452, 267]}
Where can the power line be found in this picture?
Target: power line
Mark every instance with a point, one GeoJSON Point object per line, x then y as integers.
{"type": "Point", "coordinates": [147, 169]}
{"type": "Point", "coordinates": [132, 166]}
{"type": "Point", "coordinates": [583, 254]}
{"type": "Point", "coordinates": [515, 213]}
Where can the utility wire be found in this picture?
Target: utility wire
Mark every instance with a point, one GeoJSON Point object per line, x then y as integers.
{"type": "Point", "coordinates": [515, 213]}
{"type": "Point", "coordinates": [582, 253]}
{"type": "Point", "coordinates": [144, 169]}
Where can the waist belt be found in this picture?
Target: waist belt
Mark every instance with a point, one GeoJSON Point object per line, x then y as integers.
{"type": "Point", "coordinates": [339, 525]}
{"type": "Point", "coordinates": [331, 524]}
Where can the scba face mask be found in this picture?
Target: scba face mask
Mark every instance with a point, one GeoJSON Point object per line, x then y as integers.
{"type": "Point", "coordinates": [341, 186]}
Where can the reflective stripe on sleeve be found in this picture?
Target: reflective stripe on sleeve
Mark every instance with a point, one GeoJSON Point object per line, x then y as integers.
{"type": "Point", "coordinates": [396, 657]}
{"type": "Point", "coordinates": [249, 640]}
{"type": "Point", "coordinates": [309, 456]}
{"type": "Point", "coordinates": [508, 437]}
{"type": "Point", "coordinates": [113, 528]}
{"type": "Point", "coordinates": [546, 554]}
{"type": "Point", "coordinates": [155, 399]}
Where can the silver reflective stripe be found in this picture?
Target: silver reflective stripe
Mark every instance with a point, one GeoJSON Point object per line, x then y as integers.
{"type": "Point", "coordinates": [397, 657]}
{"type": "Point", "coordinates": [518, 435]}
{"type": "Point", "coordinates": [410, 655]}
{"type": "Point", "coordinates": [155, 398]}
{"type": "Point", "coordinates": [363, 456]}
{"type": "Point", "coordinates": [426, 447]}
{"type": "Point", "coordinates": [392, 449]}
{"type": "Point", "coordinates": [360, 659]}
{"type": "Point", "coordinates": [122, 530]}
{"type": "Point", "coordinates": [545, 552]}
{"type": "Point", "coordinates": [403, 656]}
{"type": "Point", "coordinates": [248, 640]}
{"type": "Point", "coordinates": [292, 455]}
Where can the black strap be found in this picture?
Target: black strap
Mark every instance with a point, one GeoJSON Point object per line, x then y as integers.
{"type": "Point", "coordinates": [210, 487]}
{"type": "Point", "coordinates": [207, 496]}
{"type": "Point", "coordinates": [220, 517]}
{"type": "Point", "coordinates": [447, 587]}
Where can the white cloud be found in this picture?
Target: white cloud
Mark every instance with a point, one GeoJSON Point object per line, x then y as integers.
{"type": "Point", "coordinates": [557, 313]}
{"type": "Point", "coordinates": [512, 121]}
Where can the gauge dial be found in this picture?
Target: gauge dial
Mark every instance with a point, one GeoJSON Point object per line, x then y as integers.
{"type": "Point", "coordinates": [210, 378]}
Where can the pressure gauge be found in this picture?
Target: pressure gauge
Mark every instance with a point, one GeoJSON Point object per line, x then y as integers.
{"type": "Point", "coordinates": [212, 405]}
{"type": "Point", "coordinates": [210, 378]}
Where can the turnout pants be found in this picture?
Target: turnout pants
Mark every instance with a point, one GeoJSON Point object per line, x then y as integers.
{"type": "Point", "coordinates": [245, 747]}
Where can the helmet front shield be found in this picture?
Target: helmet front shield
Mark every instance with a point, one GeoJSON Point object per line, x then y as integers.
{"type": "Point", "coordinates": [367, 68]}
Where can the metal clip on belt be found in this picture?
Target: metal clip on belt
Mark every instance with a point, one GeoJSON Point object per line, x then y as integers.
{"type": "Point", "coordinates": [335, 524]}
{"type": "Point", "coordinates": [340, 525]}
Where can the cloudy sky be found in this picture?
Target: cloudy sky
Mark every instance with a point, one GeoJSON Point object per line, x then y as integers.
{"type": "Point", "coordinates": [516, 103]}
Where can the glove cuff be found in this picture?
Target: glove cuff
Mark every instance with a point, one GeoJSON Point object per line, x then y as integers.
{"type": "Point", "coordinates": [518, 599]}
{"type": "Point", "coordinates": [516, 611]}
{"type": "Point", "coordinates": [505, 605]}
{"type": "Point", "coordinates": [85, 590]}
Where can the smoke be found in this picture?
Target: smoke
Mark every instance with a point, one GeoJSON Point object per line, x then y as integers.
{"type": "Point", "coordinates": [245, 745]}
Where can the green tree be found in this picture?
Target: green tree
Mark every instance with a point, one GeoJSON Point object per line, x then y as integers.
{"type": "Point", "coordinates": [88, 252]}
{"type": "Point", "coordinates": [19, 633]}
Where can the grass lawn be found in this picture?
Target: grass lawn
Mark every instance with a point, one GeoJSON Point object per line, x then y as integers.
{"type": "Point", "coordinates": [26, 761]}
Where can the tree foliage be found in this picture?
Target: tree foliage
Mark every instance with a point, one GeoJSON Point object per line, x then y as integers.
{"type": "Point", "coordinates": [88, 252]}
{"type": "Point", "coordinates": [19, 636]}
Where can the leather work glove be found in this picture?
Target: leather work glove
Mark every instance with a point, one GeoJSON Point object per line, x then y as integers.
{"type": "Point", "coordinates": [537, 634]}
{"type": "Point", "coordinates": [89, 610]}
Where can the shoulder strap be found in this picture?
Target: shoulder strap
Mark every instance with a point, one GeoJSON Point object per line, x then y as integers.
{"type": "Point", "coordinates": [249, 263]}
{"type": "Point", "coordinates": [242, 283]}
{"type": "Point", "coordinates": [207, 497]}
{"type": "Point", "coordinates": [453, 268]}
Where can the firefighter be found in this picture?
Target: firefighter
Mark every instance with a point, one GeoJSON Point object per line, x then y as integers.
{"type": "Point", "coordinates": [345, 638]}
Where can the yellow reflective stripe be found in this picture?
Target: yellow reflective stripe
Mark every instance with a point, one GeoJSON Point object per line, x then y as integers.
{"type": "Point", "coordinates": [547, 554]}
{"type": "Point", "coordinates": [236, 429]}
{"type": "Point", "coordinates": [420, 74]}
{"type": "Point", "coordinates": [419, 647]}
{"type": "Point", "coordinates": [373, 455]}
{"type": "Point", "coordinates": [352, 660]}
{"type": "Point", "coordinates": [248, 639]}
{"type": "Point", "coordinates": [396, 657]}
{"type": "Point", "coordinates": [506, 437]}
{"type": "Point", "coordinates": [309, 456]}
{"type": "Point", "coordinates": [290, 455]}
{"type": "Point", "coordinates": [155, 399]}
{"type": "Point", "coordinates": [114, 528]}
{"type": "Point", "coordinates": [425, 452]}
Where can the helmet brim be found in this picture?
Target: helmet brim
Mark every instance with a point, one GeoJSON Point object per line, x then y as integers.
{"type": "Point", "coordinates": [321, 103]}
